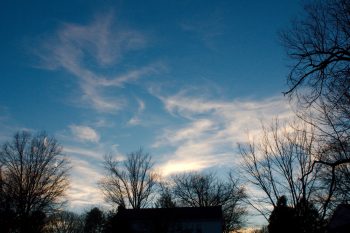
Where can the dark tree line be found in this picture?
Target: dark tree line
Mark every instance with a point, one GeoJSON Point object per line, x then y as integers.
{"type": "Point", "coordinates": [132, 183]}
{"type": "Point", "coordinates": [34, 177]}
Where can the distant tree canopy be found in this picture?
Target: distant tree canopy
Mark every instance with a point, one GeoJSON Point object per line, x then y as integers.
{"type": "Point", "coordinates": [166, 197]}
{"type": "Point", "coordinates": [33, 179]}
{"type": "Point", "coordinates": [64, 222]}
{"type": "Point", "coordinates": [130, 183]}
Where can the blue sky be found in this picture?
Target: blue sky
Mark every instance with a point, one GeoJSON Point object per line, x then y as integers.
{"type": "Point", "coordinates": [185, 80]}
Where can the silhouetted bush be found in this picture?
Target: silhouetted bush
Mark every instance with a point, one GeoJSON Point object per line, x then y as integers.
{"type": "Point", "coordinates": [303, 218]}
{"type": "Point", "coordinates": [282, 218]}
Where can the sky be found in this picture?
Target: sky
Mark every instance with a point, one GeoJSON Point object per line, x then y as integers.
{"type": "Point", "coordinates": [184, 80]}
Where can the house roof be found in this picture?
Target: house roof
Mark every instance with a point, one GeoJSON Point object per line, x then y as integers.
{"type": "Point", "coordinates": [181, 213]}
{"type": "Point", "coordinates": [340, 218]}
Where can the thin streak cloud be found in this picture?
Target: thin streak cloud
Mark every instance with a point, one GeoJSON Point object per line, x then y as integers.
{"type": "Point", "coordinates": [213, 129]}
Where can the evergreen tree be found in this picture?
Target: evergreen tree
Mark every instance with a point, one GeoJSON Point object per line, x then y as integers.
{"type": "Point", "coordinates": [94, 221]}
{"type": "Point", "coordinates": [282, 218]}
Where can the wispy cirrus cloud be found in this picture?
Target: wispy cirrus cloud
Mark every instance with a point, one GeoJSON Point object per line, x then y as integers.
{"type": "Point", "coordinates": [135, 120]}
{"type": "Point", "coordinates": [86, 172]}
{"type": "Point", "coordinates": [84, 133]}
{"type": "Point", "coordinates": [84, 190]}
{"type": "Point", "coordinates": [90, 53]}
{"type": "Point", "coordinates": [83, 153]}
{"type": "Point", "coordinates": [212, 129]}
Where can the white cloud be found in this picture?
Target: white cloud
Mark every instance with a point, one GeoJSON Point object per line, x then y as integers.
{"type": "Point", "coordinates": [213, 129]}
{"type": "Point", "coordinates": [84, 133]}
{"type": "Point", "coordinates": [101, 44]}
{"type": "Point", "coordinates": [83, 152]}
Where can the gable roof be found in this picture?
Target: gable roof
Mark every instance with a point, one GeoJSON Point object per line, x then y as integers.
{"type": "Point", "coordinates": [173, 214]}
{"type": "Point", "coordinates": [340, 220]}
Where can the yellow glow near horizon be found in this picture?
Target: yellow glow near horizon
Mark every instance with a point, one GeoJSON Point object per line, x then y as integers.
{"type": "Point", "coordinates": [181, 166]}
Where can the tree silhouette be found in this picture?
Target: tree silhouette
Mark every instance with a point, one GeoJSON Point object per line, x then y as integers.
{"type": "Point", "coordinates": [278, 163]}
{"type": "Point", "coordinates": [203, 190]}
{"type": "Point", "coordinates": [64, 222]}
{"type": "Point", "coordinates": [282, 218]}
{"type": "Point", "coordinates": [130, 183]}
{"type": "Point", "coordinates": [166, 197]}
{"type": "Point", "coordinates": [35, 222]}
{"type": "Point", "coordinates": [94, 221]}
{"type": "Point", "coordinates": [33, 178]}
{"type": "Point", "coordinates": [307, 218]}
{"type": "Point", "coordinates": [116, 223]}
{"type": "Point", "coordinates": [318, 47]}
{"type": "Point", "coordinates": [302, 218]}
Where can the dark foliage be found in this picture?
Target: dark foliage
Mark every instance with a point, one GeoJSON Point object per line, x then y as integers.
{"type": "Point", "coordinates": [307, 218]}
{"type": "Point", "coordinates": [94, 221]}
{"type": "Point", "coordinates": [281, 218]}
{"type": "Point", "coordinates": [166, 197]}
{"type": "Point", "coordinates": [303, 218]}
{"type": "Point", "coordinates": [115, 223]}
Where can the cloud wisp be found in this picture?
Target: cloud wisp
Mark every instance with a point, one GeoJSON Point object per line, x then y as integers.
{"type": "Point", "coordinates": [84, 133]}
{"type": "Point", "coordinates": [84, 189]}
{"type": "Point", "coordinates": [90, 53]}
{"type": "Point", "coordinates": [135, 120]}
{"type": "Point", "coordinates": [212, 129]}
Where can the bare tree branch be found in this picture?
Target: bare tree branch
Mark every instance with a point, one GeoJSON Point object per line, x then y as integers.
{"type": "Point", "coordinates": [202, 190]}
{"type": "Point", "coordinates": [34, 175]}
{"type": "Point", "coordinates": [130, 183]}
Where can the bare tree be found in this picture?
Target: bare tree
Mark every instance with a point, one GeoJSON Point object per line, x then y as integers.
{"type": "Point", "coordinates": [34, 175]}
{"type": "Point", "coordinates": [130, 183]}
{"type": "Point", "coordinates": [166, 197]}
{"type": "Point", "coordinates": [203, 190]}
{"type": "Point", "coordinates": [319, 47]}
{"type": "Point", "coordinates": [64, 222]}
{"type": "Point", "coordinates": [279, 164]}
